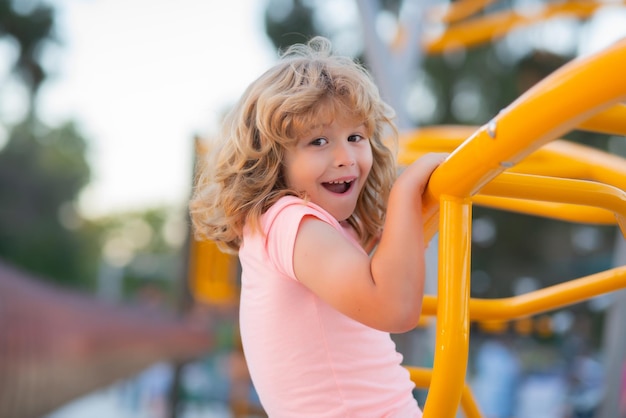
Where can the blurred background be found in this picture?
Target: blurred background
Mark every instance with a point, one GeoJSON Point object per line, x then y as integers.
{"type": "Point", "coordinates": [101, 105]}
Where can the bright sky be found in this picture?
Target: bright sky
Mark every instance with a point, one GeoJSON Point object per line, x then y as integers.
{"type": "Point", "coordinates": [142, 77]}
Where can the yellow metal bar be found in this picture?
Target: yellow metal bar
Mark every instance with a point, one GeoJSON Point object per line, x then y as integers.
{"type": "Point", "coordinates": [452, 339]}
{"type": "Point", "coordinates": [212, 277]}
{"type": "Point", "coordinates": [550, 298]}
{"type": "Point", "coordinates": [542, 300]}
{"type": "Point", "coordinates": [577, 161]}
{"type": "Point", "coordinates": [212, 274]}
{"type": "Point", "coordinates": [554, 189]}
{"type": "Point", "coordinates": [561, 190]}
{"type": "Point", "coordinates": [558, 158]}
{"type": "Point", "coordinates": [558, 211]}
{"type": "Point", "coordinates": [483, 29]}
{"type": "Point", "coordinates": [429, 305]}
{"type": "Point", "coordinates": [521, 128]}
{"type": "Point", "coordinates": [422, 377]}
{"type": "Point", "coordinates": [416, 138]}
{"type": "Point", "coordinates": [469, 406]}
{"type": "Point", "coordinates": [478, 164]}
{"type": "Point", "coordinates": [446, 138]}
{"type": "Point", "coordinates": [612, 121]}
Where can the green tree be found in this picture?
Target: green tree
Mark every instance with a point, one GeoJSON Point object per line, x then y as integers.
{"type": "Point", "coordinates": [42, 171]}
{"type": "Point", "coordinates": [289, 21]}
{"type": "Point", "coordinates": [30, 25]}
{"type": "Point", "coordinates": [42, 168]}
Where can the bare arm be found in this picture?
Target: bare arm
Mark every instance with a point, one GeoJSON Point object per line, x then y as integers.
{"type": "Point", "coordinates": [384, 292]}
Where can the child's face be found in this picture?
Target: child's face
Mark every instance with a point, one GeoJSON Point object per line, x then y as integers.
{"type": "Point", "coordinates": [331, 164]}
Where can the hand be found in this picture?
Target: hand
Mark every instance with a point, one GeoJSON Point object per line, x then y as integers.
{"type": "Point", "coordinates": [419, 172]}
{"type": "Point", "coordinates": [429, 163]}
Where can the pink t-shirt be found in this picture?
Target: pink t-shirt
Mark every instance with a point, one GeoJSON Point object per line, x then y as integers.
{"type": "Point", "coordinates": [307, 359]}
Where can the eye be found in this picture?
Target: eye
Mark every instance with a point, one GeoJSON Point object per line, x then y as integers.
{"type": "Point", "coordinates": [319, 142]}
{"type": "Point", "coordinates": [355, 138]}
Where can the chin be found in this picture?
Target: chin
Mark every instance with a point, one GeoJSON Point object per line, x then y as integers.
{"type": "Point", "coordinates": [342, 215]}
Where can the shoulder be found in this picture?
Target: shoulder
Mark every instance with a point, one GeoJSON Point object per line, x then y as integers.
{"type": "Point", "coordinates": [292, 209]}
{"type": "Point", "coordinates": [279, 227]}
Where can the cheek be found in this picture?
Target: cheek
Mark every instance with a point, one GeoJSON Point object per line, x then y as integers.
{"type": "Point", "coordinates": [295, 169]}
{"type": "Point", "coordinates": [368, 161]}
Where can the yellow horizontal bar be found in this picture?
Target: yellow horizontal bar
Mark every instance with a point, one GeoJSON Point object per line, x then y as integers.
{"type": "Point", "coordinates": [558, 211]}
{"type": "Point", "coordinates": [415, 139]}
{"type": "Point", "coordinates": [422, 377]}
{"type": "Point", "coordinates": [542, 300]}
{"type": "Point", "coordinates": [446, 138]}
{"type": "Point", "coordinates": [560, 190]}
{"type": "Point", "coordinates": [559, 158]}
{"type": "Point", "coordinates": [483, 29]}
{"type": "Point", "coordinates": [612, 121]}
{"type": "Point", "coordinates": [577, 161]}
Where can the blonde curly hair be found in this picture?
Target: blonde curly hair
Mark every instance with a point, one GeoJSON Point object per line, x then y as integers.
{"type": "Point", "coordinates": [242, 176]}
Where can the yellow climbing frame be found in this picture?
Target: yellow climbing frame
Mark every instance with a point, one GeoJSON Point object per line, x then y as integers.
{"type": "Point", "coordinates": [509, 163]}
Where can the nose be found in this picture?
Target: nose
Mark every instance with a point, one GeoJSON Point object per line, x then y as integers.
{"type": "Point", "coordinates": [344, 155]}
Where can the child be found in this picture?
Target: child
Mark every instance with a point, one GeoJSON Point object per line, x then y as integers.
{"type": "Point", "coordinates": [301, 186]}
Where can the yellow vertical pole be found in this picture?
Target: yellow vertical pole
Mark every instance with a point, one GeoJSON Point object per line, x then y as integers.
{"type": "Point", "coordinates": [212, 274]}
{"type": "Point", "coordinates": [452, 337]}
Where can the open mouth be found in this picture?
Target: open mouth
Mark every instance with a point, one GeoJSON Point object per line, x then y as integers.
{"type": "Point", "coordinates": [338, 186]}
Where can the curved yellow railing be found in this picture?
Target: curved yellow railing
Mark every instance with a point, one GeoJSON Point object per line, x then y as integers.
{"type": "Point", "coordinates": [538, 301]}
{"type": "Point", "coordinates": [476, 167]}
{"type": "Point", "coordinates": [534, 119]}
{"type": "Point", "coordinates": [559, 158]}
{"type": "Point", "coordinates": [560, 190]}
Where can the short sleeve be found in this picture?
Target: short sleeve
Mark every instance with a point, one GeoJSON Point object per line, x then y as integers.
{"type": "Point", "coordinates": [281, 224]}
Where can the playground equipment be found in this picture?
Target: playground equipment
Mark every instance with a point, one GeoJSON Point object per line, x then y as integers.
{"type": "Point", "coordinates": [481, 169]}
{"type": "Point", "coordinates": [515, 162]}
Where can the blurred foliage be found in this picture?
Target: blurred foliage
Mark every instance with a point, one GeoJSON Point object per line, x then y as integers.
{"type": "Point", "coordinates": [30, 24]}
{"type": "Point", "coordinates": [469, 87]}
{"type": "Point", "coordinates": [145, 247]}
{"type": "Point", "coordinates": [289, 22]}
{"type": "Point", "coordinates": [43, 170]}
